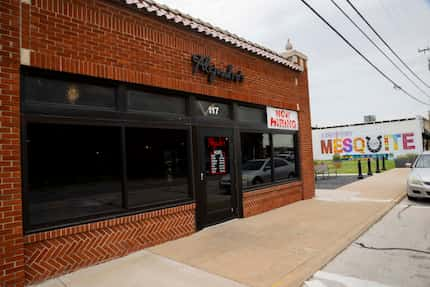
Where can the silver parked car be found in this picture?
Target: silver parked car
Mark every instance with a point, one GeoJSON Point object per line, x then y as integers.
{"type": "Point", "coordinates": [418, 184]}
{"type": "Point", "coordinates": [257, 171]}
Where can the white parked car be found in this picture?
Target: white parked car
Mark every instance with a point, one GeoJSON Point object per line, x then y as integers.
{"type": "Point", "coordinates": [418, 184]}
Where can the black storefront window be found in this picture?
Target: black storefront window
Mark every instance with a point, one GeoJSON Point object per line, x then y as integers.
{"type": "Point", "coordinates": [256, 159]}
{"type": "Point", "coordinates": [73, 171]}
{"type": "Point", "coordinates": [157, 166]}
{"type": "Point", "coordinates": [150, 102]}
{"type": "Point", "coordinates": [262, 166]}
{"type": "Point", "coordinates": [39, 90]}
{"type": "Point", "coordinates": [88, 152]}
{"type": "Point", "coordinates": [252, 115]}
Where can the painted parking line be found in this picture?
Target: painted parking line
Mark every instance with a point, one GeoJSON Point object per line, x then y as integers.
{"type": "Point", "coordinates": [346, 281]}
{"type": "Point", "coordinates": [314, 283]}
{"type": "Point", "coordinates": [413, 206]}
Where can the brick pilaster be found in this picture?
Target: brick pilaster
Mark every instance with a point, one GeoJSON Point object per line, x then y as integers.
{"type": "Point", "coordinates": [11, 231]}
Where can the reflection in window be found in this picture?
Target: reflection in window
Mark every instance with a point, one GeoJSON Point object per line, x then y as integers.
{"type": "Point", "coordinates": [248, 114]}
{"type": "Point", "coordinates": [74, 171]}
{"type": "Point", "coordinates": [46, 90]}
{"type": "Point", "coordinates": [256, 163]}
{"type": "Point", "coordinates": [285, 156]}
{"type": "Point", "coordinates": [143, 101]}
{"type": "Point", "coordinates": [157, 166]}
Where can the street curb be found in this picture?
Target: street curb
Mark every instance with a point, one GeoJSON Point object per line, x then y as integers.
{"type": "Point", "coordinates": [301, 273]}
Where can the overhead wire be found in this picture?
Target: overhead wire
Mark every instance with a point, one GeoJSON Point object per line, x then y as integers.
{"type": "Point", "coordinates": [396, 86]}
{"type": "Point", "coordinates": [377, 47]}
{"type": "Point", "coordinates": [386, 44]}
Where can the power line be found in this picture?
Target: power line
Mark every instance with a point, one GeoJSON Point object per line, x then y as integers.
{"type": "Point", "coordinates": [377, 47]}
{"type": "Point", "coordinates": [396, 86]}
{"type": "Point", "coordinates": [386, 44]}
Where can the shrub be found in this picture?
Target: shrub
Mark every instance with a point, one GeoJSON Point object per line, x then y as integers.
{"type": "Point", "coordinates": [336, 157]}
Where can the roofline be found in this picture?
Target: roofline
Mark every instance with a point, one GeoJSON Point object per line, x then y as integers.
{"type": "Point", "coordinates": [176, 17]}
{"type": "Point", "coordinates": [364, 124]}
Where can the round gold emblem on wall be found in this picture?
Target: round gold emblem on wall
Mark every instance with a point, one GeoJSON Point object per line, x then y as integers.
{"type": "Point", "coordinates": [72, 94]}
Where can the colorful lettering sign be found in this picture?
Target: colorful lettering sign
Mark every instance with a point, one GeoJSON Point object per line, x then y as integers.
{"type": "Point", "coordinates": [368, 144]}
{"type": "Point", "coordinates": [388, 138]}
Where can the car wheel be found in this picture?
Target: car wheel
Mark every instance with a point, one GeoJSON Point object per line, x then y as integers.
{"type": "Point", "coordinates": [411, 198]}
{"type": "Point", "coordinates": [291, 175]}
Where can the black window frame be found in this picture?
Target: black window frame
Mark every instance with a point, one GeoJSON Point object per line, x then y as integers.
{"type": "Point", "coordinates": [52, 113]}
{"type": "Point", "coordinates": [123, 117]}
{"type": "Point", "coordinates": [273, 182]}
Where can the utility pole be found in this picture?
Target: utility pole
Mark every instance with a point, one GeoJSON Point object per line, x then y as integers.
{"type": "Point", "coordinates": [425, 50]}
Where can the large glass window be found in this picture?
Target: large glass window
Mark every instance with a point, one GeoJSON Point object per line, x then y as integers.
{"type": "Point", "coordinates": [258, 164]}
{"type": "Point", "coordinates": [284, 153]}
{"type": "Point", "coordinates": [74, 171]}
{"type": "Point", "coordinates": [256, 159]}
{"type": "Point", "coordinates": [157, 166]}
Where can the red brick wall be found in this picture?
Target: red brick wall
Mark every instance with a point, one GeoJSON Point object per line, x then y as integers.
{"type": "Point", "coordinates": [63, 250]}
{"type": "Point", "coordinates": [108, 40]}
{"type": "Point", "coordinates": [100, 39]}
{"type": "Point", "coordinates": [11, 240]}
{"type": "Point", "coordinates": [258, 201]}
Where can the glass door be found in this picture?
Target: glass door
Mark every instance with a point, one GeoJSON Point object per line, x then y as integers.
{"type": "Point", "coordinates": [216, 194]}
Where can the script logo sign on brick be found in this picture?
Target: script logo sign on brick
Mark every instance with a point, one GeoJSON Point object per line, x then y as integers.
{"type": "Point", "coordinates": [203, 63]}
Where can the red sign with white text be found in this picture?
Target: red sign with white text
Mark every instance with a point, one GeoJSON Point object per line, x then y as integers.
{"type": "Point", "coordinates": [282, 119]}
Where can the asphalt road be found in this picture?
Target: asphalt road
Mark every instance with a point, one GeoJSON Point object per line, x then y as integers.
{"type": "Point", "coordinates": [394, 252]}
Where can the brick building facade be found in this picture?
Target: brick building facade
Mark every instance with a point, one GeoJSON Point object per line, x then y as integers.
{"type": "Point", "coordinates": [200, 135]}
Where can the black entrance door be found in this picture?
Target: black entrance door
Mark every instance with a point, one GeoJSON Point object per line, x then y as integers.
{"type": "Point", "coordinates": [216, 192]}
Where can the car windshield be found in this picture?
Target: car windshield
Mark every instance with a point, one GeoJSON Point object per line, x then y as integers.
{"type": "Point", "coordinates": [253, 164]}
{"type": "Point", "coordinates": [423, 162]}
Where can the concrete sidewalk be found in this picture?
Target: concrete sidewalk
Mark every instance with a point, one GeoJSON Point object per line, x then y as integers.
{"type": "Point", "coordinates": [282, 247]}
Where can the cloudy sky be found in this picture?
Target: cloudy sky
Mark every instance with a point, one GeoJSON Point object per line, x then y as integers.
{"type": "Point", "coordinates": [343, 87]}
